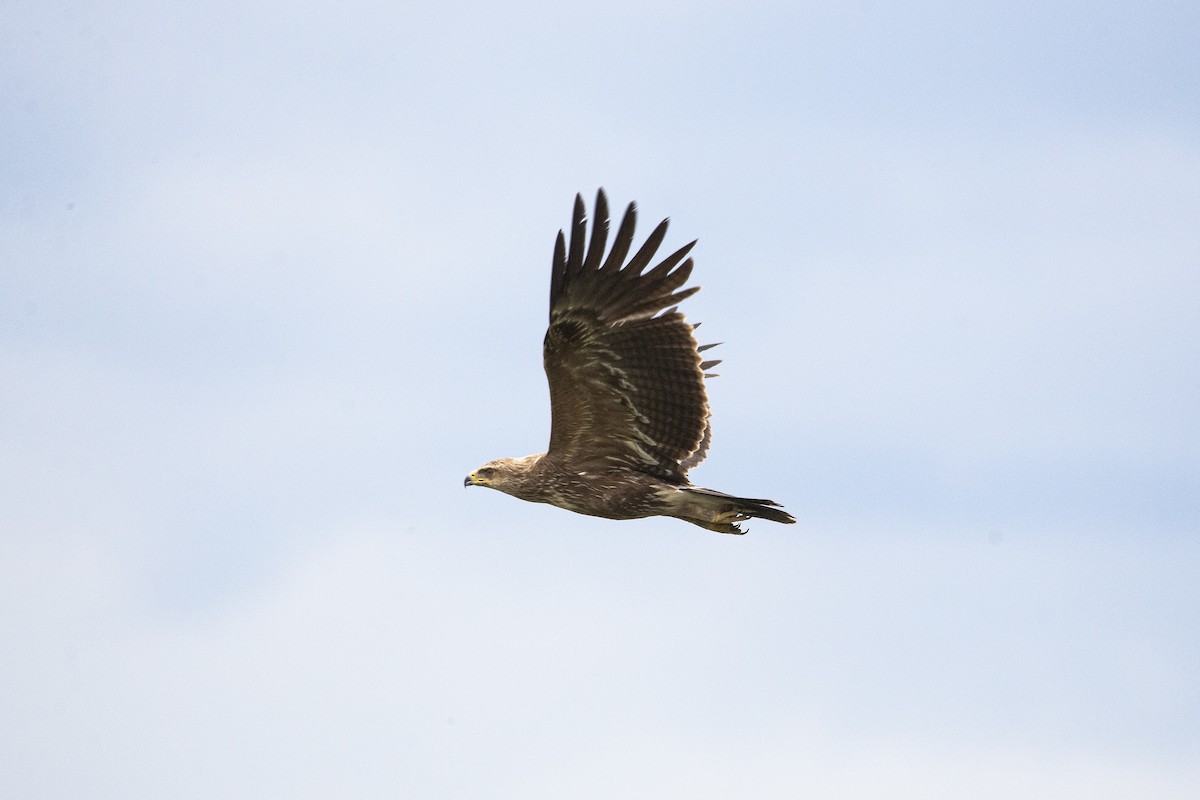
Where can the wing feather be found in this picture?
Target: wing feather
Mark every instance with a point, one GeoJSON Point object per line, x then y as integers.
{"type": "Point", "coordinates": [599, 234]}
{"type": "Point", "coordinates": [626, 377]}
{"type": "Point", "coordinates": [623, 240]}
{"type": "Point", "coordinates": [642, 257]}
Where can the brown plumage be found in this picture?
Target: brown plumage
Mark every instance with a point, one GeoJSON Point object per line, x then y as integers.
{"type": "Point", "coordinates": [629, 415]}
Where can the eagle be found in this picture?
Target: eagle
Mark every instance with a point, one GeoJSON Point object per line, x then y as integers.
{"type": "Point", "coordinates": [629, 415]}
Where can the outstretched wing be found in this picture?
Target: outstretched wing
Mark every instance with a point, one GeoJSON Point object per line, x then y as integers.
{"type": "Point", "coordinates": [626, 376]}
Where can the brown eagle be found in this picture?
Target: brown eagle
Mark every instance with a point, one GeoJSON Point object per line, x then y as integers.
{"type": "Point", "coordinates": [629, 415]}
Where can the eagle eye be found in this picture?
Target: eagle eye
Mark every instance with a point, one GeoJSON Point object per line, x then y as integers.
{"type": "Point", "coordinates": [485, 472]}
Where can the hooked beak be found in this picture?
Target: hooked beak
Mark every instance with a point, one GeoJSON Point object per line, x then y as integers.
{"type": "Point", "coordinates": [470, 480]}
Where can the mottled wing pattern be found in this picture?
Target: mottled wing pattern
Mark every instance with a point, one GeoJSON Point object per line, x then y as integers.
{"type": "Point", "coordinates": [626, 376]}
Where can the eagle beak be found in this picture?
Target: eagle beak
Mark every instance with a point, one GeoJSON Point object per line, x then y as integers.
{"type": "Point", "coordinates": [469, 480]}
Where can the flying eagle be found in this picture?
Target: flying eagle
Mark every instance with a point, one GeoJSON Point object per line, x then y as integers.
{"type": "Point", "coordinates": [629, 415]}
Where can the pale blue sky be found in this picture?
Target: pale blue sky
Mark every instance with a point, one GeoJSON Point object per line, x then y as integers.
{"type": "Point", "coordinates": [273, 279]}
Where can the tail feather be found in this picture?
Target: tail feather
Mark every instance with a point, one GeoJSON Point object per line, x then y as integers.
{"type": "Point", "coordinates": [721, 512]}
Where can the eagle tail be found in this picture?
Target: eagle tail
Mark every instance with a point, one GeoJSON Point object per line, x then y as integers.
{"type": "Point", "coordinates": [721, 512]}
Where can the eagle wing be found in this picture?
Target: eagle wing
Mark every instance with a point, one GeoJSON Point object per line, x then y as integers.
{"type": "Point", "coordinates": [625, 372]}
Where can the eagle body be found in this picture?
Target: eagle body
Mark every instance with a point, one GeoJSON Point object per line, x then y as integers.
{"type": "Point", "coordinates": [613, 493]}
{"type": "Point", "coordinates": [629, 413]}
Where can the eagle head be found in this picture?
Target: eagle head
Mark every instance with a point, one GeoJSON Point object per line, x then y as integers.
{"type": "Point", "coordinates": [504, 474]}
{"type": "Point", "coordinates": [482, 476]}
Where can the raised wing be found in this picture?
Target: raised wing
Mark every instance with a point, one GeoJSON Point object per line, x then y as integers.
{"type": "Point", "coordinates": [626, 376]}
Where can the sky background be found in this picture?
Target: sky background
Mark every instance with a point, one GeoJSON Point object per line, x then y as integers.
{"type": "Point", "coordinates": [273, 279]}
